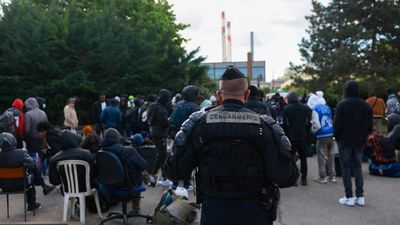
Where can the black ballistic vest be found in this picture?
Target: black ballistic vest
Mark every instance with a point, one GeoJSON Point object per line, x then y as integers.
{"type": "Point", "coordinates": [230, 159]}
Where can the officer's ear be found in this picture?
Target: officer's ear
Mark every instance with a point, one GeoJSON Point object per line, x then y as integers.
{"type": "Point", "coordinates": [246, 95]}
{"type": "Point", "coordinates": [219, 96]}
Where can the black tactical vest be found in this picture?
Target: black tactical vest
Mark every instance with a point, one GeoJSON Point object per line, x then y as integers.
{"type": "Point", "coordinates": [230, 159]}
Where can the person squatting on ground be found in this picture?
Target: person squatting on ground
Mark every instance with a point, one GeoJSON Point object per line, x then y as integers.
{"type": "Point", "coordinates": [239, 156]}
{"type": "Point", "coordinates": [352, 126]}
{"type": "Point", "coordinates": [297, 126]}
{"type": "Point", "coordinates": [322, 127]}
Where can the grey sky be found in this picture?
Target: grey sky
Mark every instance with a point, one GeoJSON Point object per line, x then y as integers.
{"type": "Point", "coordinates": [278, 25]}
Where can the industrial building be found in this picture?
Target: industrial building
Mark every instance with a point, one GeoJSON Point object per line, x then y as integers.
{"type": "Point", "coordinates": [215, 70]}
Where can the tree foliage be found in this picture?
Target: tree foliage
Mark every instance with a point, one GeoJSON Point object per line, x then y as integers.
{"type": "Point", "coordinates": [351, 40]}
{"type": "Point", "coordinates": [63, 48]}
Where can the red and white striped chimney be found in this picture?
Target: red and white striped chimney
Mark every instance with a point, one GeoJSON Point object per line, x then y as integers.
{"type": "Point", "coordinates": [223, 37]}
{"type": "Point", "coordinates": [229, 44]}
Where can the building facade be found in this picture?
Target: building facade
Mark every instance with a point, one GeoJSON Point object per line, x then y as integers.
{"type": "Point", "coordinates": [215, 70]}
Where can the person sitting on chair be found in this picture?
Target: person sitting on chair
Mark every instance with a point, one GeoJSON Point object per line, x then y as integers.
{"type": "Point", "coordinates": [70, 151]}
{"type": "Point", "coordinates": [132, 162]}
{"type": "Point", "coordinates": [11, 157]}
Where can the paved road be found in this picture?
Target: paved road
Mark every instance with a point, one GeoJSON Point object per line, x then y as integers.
{"type": "Point", "coordinates": [315, 204]}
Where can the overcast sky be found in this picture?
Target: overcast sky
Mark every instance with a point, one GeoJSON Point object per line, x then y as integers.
{"type": "Point", "coordinates": [278, 26]}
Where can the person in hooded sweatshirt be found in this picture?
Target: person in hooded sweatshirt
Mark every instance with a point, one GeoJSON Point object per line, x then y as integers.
{"type": "Point", "coordinates": [18, 104]}
{"type": "Point", "coordinates": [34, 142]}
{"type": "Point", "coordinates": [297, 126]}
{"type": "Point", "coordinates": [158, 120]}
{"type": "Point", "coordinates": [33, 116]}
{"type": "Point", "coordinates": [352, 126]}
{"type": "Point", "coordinates": [180, 114]}
{"type": "Point", "coordinates": [70, 151]}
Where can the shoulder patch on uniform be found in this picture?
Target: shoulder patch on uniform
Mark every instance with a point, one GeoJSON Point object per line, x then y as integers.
{"type": "Point", "coordinates": [267, 119]}
{"type": "Point", "coordinates": [232, 117]}
{"type": "Point", "coordinates": [196, 116]}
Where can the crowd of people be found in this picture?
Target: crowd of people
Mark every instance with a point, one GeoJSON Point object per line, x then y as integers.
{"type": "Point", "coordinates": [132, 125]}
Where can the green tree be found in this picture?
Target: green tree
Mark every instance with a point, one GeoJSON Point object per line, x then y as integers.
{"type": "Point", "coordinates": [351, 40]}
{"type": "Point", "coordinates": [58, 49]}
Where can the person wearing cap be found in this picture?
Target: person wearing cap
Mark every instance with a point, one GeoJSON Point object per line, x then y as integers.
{"type": "Point", "coordinates": [240, 158]}
{"type": "Point", "coordinates": [133, 163]}
{"type": "Point", "coordinates": [11, 157]}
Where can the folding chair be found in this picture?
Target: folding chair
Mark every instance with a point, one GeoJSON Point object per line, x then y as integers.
{"type": "Point", "coordinates": [16, 176]}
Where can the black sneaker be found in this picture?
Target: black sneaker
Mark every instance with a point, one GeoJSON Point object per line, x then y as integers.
{"type": "Point", "coordinates": [304, 181]}
{"type": "Point", "coordinates": [35, 206]}
{"type": "Point", "coordinates": [47, 189]}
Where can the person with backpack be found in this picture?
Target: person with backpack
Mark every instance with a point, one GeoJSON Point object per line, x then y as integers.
{"type": "Point", "coordinates": [12, 121]}
{"type": "Point", "coordinates": [157, 118]}
{"type": "Point", "coordinates": [180, 113]}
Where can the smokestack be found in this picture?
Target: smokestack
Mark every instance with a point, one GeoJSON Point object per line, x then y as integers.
{"type": "Point", "coordinates": [252, 45]}
{"type": "Point", "coordinates": [223, 37]}
{"type": "Point", "coordinates": [229, 46]}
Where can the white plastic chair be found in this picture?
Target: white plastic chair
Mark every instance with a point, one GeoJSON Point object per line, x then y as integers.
{"type": "Point", "coordinates": [71, 177]}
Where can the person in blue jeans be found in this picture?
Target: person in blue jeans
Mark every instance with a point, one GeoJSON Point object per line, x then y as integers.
{"type": "Point", "coordinates": [352, 126]}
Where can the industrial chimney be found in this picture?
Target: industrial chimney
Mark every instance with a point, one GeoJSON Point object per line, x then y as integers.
{"type": "Point", "coordinates": [223, 38]}
{"type": "Point", "coordinates": [229, 44]}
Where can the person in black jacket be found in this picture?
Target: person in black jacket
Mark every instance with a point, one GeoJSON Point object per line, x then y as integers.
{"type": "Point", "coordinates": [11, 157]}
{"type": "Point", "coordinates": [297, 126]}
{"type": "Point", "coordinates": [352, 126]}
{"type": "Point", "coordinates": [254, 105]}
{"type": "Point", "coordinates": [97, 108]}
{"type": "Point", "coordinates": [133, 163]}
{"type": "Point", "coordinates": [180, 113]}
{"type": "Point", "coordinates": [70, 151]}
{"type": "Point", "coordinates": [51, 136]}
{"type": "Point", "coordinates": [158, 113]}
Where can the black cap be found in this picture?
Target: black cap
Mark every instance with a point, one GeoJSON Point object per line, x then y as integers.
{"type": "Point", "coordinates": [232, 73]}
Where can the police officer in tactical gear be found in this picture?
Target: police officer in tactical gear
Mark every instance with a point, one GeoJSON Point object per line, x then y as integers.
{"type": "Point", "coordinates": [240, 158]}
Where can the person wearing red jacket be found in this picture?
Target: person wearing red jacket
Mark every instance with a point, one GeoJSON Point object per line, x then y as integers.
{"type": "Point", "coordinates": [19, 122]}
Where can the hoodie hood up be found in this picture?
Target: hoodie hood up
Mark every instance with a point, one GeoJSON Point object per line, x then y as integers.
{"type": "Point", "coordinates": [292, 97]}
{"type": "Point", "coordinates": [313, 100]}
{"type": "Point", "coordinates": [31, 103]}
{"type": "Point", "coordinates": [69, 140]}
{"type": "Point", "coordinates": [352, 89]}
{"type": "Point", "coordinates": [190, 92]}
{"type": "Point", "coordinates": [393, 120]}
{"type": "Point", "coordinates": [164, 96]}
{"type": "Point", "coordinates": [18, 104]}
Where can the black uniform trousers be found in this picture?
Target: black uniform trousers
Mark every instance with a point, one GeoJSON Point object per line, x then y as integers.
{"type": "Point", "coordinates": [233, 212]}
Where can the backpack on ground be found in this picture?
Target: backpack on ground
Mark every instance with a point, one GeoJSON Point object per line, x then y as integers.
{"type": "Point", "coordinates": [7, 120]}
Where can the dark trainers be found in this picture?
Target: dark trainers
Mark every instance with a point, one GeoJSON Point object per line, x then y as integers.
{"type": "Point", "coordinates": [304, 181]}
{"type": "Point", "coordinates": [35, 206]}
{"type": "Point", "coordinates": [47, 189]}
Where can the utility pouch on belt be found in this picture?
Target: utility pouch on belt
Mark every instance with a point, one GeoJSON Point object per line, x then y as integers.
{"type": "Point", "coordinates": [270, 197]}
